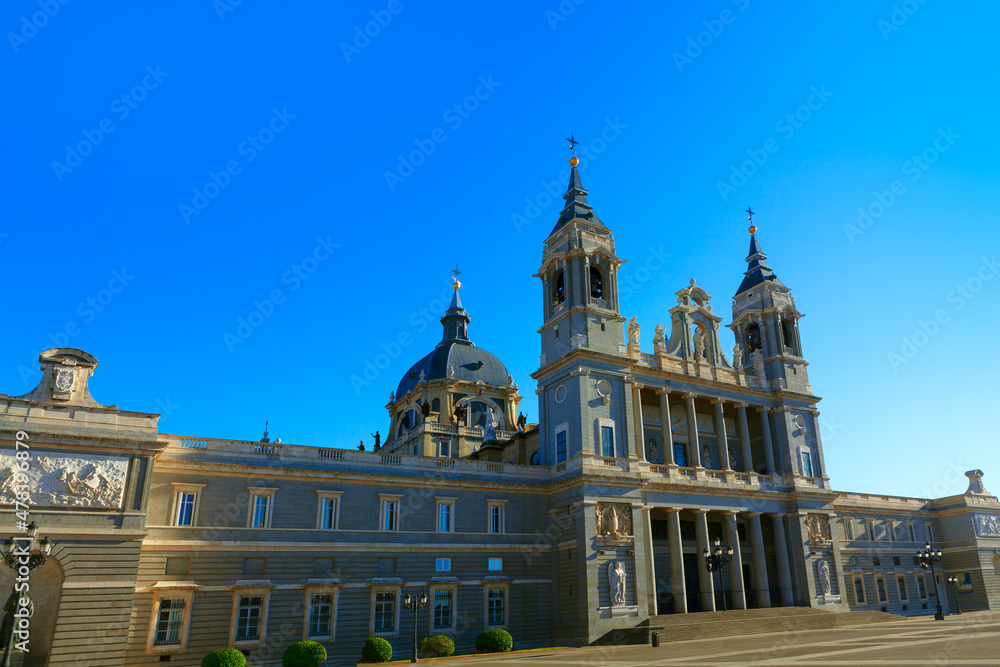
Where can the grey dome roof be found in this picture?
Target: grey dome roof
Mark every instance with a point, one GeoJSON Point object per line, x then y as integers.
{"type": "Point", "coordinates": [456, 352]}
{"type": "Point", "coordinates": [471, 364]}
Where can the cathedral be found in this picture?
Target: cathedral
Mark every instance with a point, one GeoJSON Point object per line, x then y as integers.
{"type": "Point", "coordinates": [597, 520]}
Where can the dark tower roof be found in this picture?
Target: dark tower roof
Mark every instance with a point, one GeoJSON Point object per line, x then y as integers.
{"type": "Point", "coordinates": [757, 269]}
{"type": "Point", "coordinates": [576, 203]}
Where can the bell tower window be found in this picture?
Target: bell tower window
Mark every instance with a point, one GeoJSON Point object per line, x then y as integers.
{"type": "Point", "coordinates": [596, 283]}
{"type": "Point", "coordinates": [753, 338]}
{"type": "Point", "coordinates": [786, 334]}
{"type": "Point", "coordinates": [560, 292]}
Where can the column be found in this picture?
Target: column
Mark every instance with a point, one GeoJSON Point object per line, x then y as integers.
{"type": "Point", "coordinates": [760, 583]}
{"type": "Point", "coordinates": [723, 440]}
{"type": "Point", "coordinates": [666, 432]}
{"type": "Point", "coordinates": [736, 565]}
{"type": "Point", "coordinates": [781, 558]}
{"type": "Point", "coordinates": [705, 578]}
{"type": "Point", "coordinates": [694, 449]}
{"type": "Point", "coordinates": [741, 412]}
{"type": "Point", "coordinates": [651, 555]}
{"type": "Point", "coordinates": [677, 585]}
{"type": "Point", "coordinates": [638, 435]}
{"type": "Point", "coordinates": [765, 427]}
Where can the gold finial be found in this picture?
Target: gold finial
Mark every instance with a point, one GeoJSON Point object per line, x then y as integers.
{"type": "Point", "coordinates": [753, 227]}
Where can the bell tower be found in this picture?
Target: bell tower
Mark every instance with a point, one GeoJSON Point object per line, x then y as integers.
{"type": "Point", "coordinates": [579, 275]}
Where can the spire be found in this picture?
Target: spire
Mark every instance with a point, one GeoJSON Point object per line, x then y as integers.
{"type": "Point", "coordinates": [757, 269]}
{"type": "Point", "coordinates": [456, 320]}
{"type": "Point", "coordinates": [576, 197]}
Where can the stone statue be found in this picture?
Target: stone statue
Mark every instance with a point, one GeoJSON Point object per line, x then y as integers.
{"type": "Point", "coordinates": [758, 365]}
{"type": "Point", "coordinates": [653, 455]}
{"type": "Point", "coordinates": [361, 446]}
{"type": "Point", "coordinates": [824, 577]}
{"type": "Point", "coordinates": [633, 331]}
{"type": "Point", "coordinates": [459, 413]}
{"type": "Point", "coordinates": [392, 396]}
{"type": "Point", "coordinates": [976, 483]}
{"type": "Point", "coordinates": [422, 377]}
{"type": "Point", "coordinates": [522, 421]}
{"type": "Point", "coordinates": [659, 341]}
{"type": "Point", "coordinates": [699, 344]}
{"type": "Point", "coordinates": [378, 439]}
{"type": "Point", "coordinates": [451, 371]}
{"type": "Point", "coordinates": [738, 358]}
{"type": "Point", "coordinates": [616, 578]}
{"type": "Point", "coordinates": [490, 429]}
{"type": "Point", "coordinates": [706, 457]}
{"type": "Point", "coordinates": [425, 409]}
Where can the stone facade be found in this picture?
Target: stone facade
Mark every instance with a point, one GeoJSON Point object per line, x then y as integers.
{"type": "Point", "coordinates": [591, 521]}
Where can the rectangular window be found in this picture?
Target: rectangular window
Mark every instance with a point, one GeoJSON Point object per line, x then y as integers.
{"type": "Point", "coordinates": [848, 529]}
{"type": "Point", "coordinates": [445, 515]}
{"type": "Point", "coordinates": [495, 603]}
{"type": "Point", "coordinates": [260, 507]}
{"type": "Point", "coordinates": [328, 513]}
{"type": "Point", "coordinates": [870, 526]}
{"type": "Point", "coordinates": [680, 455]}
{"type": "Point", "coordinates": [895, 560]}
{"type": "Point", "coordinates": [248, 618]}
{"type": "Point", "coordinates": [496, 564]}
{"type": "Point", "coordinates": [880, 588]}
{"type": "Point", "coordinates": [442, 610]}
{"type": "Point", "coordinates": [876, 561]}
{"type": "Point", "coordinates": [921, 586]}
{"type": "Point", "coordinates": [442, 565]}
{"type": "Point", "coordinates": [320, 615]}
{"type": "Point", "coordinates": [169, 622]}
{"type": "Point", "coordinates": [443, 448]}
{"type": "Point", "coordinates": [901, 585]}
{"type": "Point", "coordinates": [853, 560]}
{"type": "Point", "coordinates": [496, 516]}
{"type": "Point", "coordinates": [390, 514]}
{"type": "Point", "coordinates": [807, 466]}
{"type": "Point", "coordinates": [185, 509]}
{"type": "Point", "coordinates": [561, 453]}
{"type": "Point", "coordinates": [385, 612]}
{"type": "Point", "coordinates": [859, 590]}
{"type": "Point", "coordinates": [910, 532]}
{"type": "Point", "coordinates": [929, 532]}
{"type": "Point", "coordinates": [607, 441]}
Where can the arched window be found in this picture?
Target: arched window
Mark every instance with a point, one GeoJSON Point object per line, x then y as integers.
{"type": "Point", "coordinates": [559, 296]}
{"type": "Point", "coordinates": [536, 459]}
{"type": "Point", "coordinates": [596, 283]}
{"type": "Point", "coordinates": [753, 338]}
{"type": "Point", "coordinates": [436, 405]}
{"type": "Point", "coordinates": [786, 334]}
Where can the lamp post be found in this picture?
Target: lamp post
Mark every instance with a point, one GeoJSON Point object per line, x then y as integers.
{"type": "Point", "coordinates": [414, 604]}
{"type": "Point", "coordinates": [953, 580]}
{"type": "Point", "coordinates": [16, 555]}
{"type": "Point", "coordinates": [714, 560]}
{"type": "Point", "coordinates": [927, 558]}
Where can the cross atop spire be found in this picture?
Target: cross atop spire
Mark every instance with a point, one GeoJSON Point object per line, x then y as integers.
{"type": "Point", "coordinates": [749, 213]}
{"type": "Point", "coordinates": [573, 143]}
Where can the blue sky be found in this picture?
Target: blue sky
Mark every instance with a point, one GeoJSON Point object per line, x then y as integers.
{"type": "Point", "coordinates": [169, 168]}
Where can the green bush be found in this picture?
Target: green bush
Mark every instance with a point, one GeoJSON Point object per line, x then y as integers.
{"type": "Point", "coordinates": [224, 657]}
{"type": "Point", "coordinates": [494, 641]}
{"type": "Point", "coordinates": [303, 654]}
{"type": "Point", "coordinates": [376, 650]}
{"type": "Point", "coordinates": [437, 646]}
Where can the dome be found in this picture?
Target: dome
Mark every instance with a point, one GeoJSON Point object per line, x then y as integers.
{"type": "Point", "coordinates": [456, 357]}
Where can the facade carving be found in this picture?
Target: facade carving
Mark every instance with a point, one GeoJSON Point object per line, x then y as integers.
{"type": "Point", "coordinates": [65, 480]}
{"type": "Point", "coordinates": [987, 525]}
{"type": "Point", "coordinates": [614, 520]}
{"type": "Point", "coordinates": [819, 528]}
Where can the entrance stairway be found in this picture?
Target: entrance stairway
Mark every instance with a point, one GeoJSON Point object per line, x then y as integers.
{"type": "Point", "coordinates": [704, 625]}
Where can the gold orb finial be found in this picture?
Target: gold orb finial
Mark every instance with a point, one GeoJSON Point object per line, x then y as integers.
{"type": "Point", "coordinates": [455, 284]}
{"type": "Point", "coordinates": [753, 229]}
{"type": "Point", "coordinates": [573, 161]}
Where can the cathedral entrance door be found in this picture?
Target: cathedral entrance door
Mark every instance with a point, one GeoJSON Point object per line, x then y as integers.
{"type": "Point", "coordinates": [691, 581]}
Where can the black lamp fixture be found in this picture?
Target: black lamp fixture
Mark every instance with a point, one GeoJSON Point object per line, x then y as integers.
{"type": "Point", "coordinates": [927, 557]}
{"type": "Point", "coordinates": [17, 554]}
{"type": "Point", "coordinates": [715, 560]}
{"type": "Point", "coordinates": [414, 604]}
{"type": "Point", "coordinates": [953, 580]}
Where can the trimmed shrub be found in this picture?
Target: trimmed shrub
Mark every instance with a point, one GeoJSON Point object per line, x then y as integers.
{"type": "Point", "coordinates": [437, 646]}
{"type": "Point", "coordinates": [376, 649]}
{"type": "Point", "coordinates": [303, 654]}
{"type": "Point", "coordinates": [494, 641]}
{"type": "Point", "coordinates": [224, 657]}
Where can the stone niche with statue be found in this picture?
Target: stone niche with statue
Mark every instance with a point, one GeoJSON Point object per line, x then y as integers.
{"type": "Point", "coordinates": [614, 524]}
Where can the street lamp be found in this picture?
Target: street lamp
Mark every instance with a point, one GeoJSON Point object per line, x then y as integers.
{"type": "Point", "coordinates": [415, 605]}
{"type": "Point", "coordinates": [714, 560]}
{"type": "Point", "coordinates": [927, 558]}
{"type": "Point", "coordinates": [17, 554]}
{"type": "Point", "coordinates": [953, 580]}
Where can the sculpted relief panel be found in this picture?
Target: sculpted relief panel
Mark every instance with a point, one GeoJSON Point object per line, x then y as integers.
{"type": "Point", "coordinates": [987, 525]}
{"type": "Point", "coordinates": [819, 528]}
{"type": "Point", "coordinates": [54, 479]}
{"type": "Point", "coordinates": [614, 520]}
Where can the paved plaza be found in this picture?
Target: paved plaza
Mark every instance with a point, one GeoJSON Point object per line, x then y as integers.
{"type": "Point", "coordinates": [971, 639]}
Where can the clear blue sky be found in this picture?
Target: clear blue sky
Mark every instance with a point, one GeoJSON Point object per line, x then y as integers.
{"type": "Point", "coordinates": [200, 150]}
